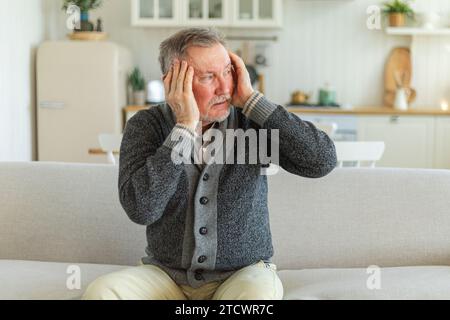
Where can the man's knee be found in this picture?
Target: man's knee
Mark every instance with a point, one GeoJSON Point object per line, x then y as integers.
{"type": "Point", "coordinates": [103, 288]}
{"type": "Point", "coordinates": [251, 290]}
{"type": "Point", "coordinates": [136, 283]}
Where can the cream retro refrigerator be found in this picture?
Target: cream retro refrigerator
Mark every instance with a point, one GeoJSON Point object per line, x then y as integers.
{"type": "Point", "coordinates": [81, 92]}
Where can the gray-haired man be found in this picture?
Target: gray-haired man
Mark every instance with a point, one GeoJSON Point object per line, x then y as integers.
{"type": "Point", "coordinates": [207, 224]}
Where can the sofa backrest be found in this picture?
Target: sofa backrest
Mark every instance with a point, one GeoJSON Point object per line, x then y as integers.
{"type": "Point", "coordinates": [358, 217]}
{"type": "Point", "coordinates": [65, 212]}
{"type": "Point", "coordinates": [353, 217]}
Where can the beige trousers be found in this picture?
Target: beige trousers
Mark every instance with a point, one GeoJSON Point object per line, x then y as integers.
{"type": "Point", "coordinates": [148, 282]}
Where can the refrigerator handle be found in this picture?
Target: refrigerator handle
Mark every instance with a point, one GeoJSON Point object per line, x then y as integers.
{"type": "Point", "coordinates": [52, 105]}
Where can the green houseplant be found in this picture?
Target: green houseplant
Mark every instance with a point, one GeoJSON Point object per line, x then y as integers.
{"type": "Point", "coordinates": [397, 11]}
{"type": "Point", "coordinates": [137, 83]}
{"type": "Point", "coordinates": [85, 6]}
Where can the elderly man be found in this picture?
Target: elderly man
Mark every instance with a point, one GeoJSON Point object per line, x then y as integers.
{"type": "Point", "coordinates": [207, 223]}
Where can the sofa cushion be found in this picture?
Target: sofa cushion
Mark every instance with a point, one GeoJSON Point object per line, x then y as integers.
{"type": "Point", "coordinates": [47, 281]}
{"type": "Point", "coordinates": [32, 280]}
{"type": "Point", "coordinates": [402, 283]}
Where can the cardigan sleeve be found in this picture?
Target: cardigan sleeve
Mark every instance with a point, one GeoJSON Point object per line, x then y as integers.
{"type": "Point", "coordinates": [303, 149]}
{"type": "Point", "coordinates": [148, 175]}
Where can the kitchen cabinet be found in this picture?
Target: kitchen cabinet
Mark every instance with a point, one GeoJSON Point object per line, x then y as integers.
{"type": "Point", "coordinates": [442, 146]}
{"type": "Point", "coordinates": [205, 12]}
{"type": "Point", "coordinates": [219, 13]}
{"type": "Point", "coordinates": [409, 140]}
{"type": "Point", "coordinates": [418, 139]}
{"type": "Point", "coordinates": [347, 125]}
{"type": "Point", "coordinates": [155, 12]}
{"type": "Point", "coordinates": [257, 13]}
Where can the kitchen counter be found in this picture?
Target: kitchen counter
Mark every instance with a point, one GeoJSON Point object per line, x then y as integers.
{"type": "Point", "coordinates": [339, 111]}
{"type": "Point", "coordinates": [369, 111]}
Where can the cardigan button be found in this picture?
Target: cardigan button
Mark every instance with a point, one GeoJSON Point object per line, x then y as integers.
{"type": "Point", "coordinates": [204, 200]}
{"type": "Point", "coordinates": [198, 275]}
{"type": "Point", "coordinates": [201, 259]}
{"type": "Point", "coordinates": [203, 231]}
{"type": "Point", "coordinates": [205, 177]}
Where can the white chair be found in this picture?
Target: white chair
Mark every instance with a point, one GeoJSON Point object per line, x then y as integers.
{"type": "Point", "coordinates": [110, 143]}
{"type": "Point", "coordinates": [359, 151]}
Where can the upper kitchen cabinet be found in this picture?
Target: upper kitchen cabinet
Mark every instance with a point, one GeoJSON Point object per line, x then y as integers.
{"type": "Point", "coordinates": [220, 13]}
{"type": "Point", "coordinates": [148, 13]}
{"type": "Point", "coordinates": [257, 13]}
{"type": "Point", "coordinates": [205, 12]}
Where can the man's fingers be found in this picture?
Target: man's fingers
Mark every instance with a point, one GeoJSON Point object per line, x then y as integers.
{"type": "Point", "coordinates": [236, 61]}
{"type": "Point", "coordinates": [181, 77]}
{"type": "Point", "coordinates": [188, 79]}
{"type": "Point", "coordinates": [176, 71]}
{"type": "Point", "coordinates": [242, 77]}
{"type": "Point", "coordinates": [167, 81]}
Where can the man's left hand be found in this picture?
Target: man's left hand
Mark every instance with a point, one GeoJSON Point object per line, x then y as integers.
{"type": "Point", "coordinates": [243, 86]}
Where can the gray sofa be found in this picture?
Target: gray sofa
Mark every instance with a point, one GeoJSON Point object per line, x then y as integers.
{"type": "Point", "coordinates": [60, 223]}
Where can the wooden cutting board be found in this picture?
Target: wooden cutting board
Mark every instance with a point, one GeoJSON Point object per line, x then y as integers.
{"type": "Point", "coordinates": [399, 62]}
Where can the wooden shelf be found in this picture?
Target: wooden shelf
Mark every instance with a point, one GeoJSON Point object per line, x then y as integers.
{"type": "Point", "coordinates": [404, 31]}
{"type": "Point", "coordinates": [87, 35]}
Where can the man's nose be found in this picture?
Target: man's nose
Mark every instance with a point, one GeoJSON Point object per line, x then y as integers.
{"type": "Point", "coordinates": [223, 86]}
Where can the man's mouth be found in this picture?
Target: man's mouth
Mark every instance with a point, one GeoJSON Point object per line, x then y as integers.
{"type": "Point", "coordinates": [220, 104]}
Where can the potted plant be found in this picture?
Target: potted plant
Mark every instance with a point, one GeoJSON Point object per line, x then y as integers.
{"type": "Point", "coordinates": [137, 83]}
{"type": "Point", "coordinates": [85, 6]}
{"type": "Point", "coordinates": [397, 11]}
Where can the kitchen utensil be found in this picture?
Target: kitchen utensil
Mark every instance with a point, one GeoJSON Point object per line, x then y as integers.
{"type": "Point", "coordinates": [430, 20]}
{"type": "Point", "coordinates": [401, 99]}
{"type": "Point", "coordinates": [402, 93]}
{"type": "Point", "coordinates": [299, 97]}
{"type": "Point", "coordinates": [399, 63]}
{"type": "Point", "coordinates": [155, 92]}
{"type": "Point", "coordinates": [327, 95]}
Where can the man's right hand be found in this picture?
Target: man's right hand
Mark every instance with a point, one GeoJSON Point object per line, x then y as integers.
{"type": "Point", "coordinates": [179, 94]}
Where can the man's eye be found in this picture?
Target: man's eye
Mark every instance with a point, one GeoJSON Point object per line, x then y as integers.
{"type": "Point", "coordinates": [206, 78]}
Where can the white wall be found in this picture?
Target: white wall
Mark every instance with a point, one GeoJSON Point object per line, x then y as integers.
{"type": "Point", "coordinates": [21, 30]}
{"type": "Point", "coordinates": [431, 59]}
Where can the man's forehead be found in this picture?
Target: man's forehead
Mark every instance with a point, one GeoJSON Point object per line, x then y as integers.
{"type": "Point", "coordinates": [209, 61]}
{"type": "Point", "coordinates": [215, 67]}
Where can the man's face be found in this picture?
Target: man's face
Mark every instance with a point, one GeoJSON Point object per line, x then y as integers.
{"type": "Point", "coordinates": [213, 83]}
